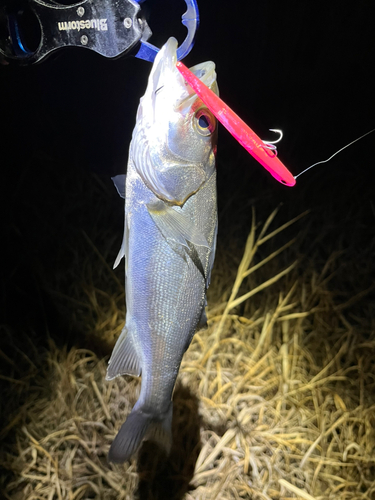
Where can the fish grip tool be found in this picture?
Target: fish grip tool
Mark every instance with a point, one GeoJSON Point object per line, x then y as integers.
{"type": "Point", "coordinates": [30, 30]}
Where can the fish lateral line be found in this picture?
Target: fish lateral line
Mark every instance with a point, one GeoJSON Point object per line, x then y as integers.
{"type": "Point", "coordinates": [263, 152]}
{"type": "Point", "coordinates": [334, 154]}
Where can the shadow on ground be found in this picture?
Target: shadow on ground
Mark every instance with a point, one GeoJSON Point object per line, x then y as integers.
{"type": "Point", "coordinates": [163, 477]}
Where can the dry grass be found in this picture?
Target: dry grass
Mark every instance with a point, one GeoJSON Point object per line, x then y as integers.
{"type": "Point", "coordinates": [275, 399]}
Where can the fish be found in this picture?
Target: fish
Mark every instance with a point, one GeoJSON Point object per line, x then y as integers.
{"type": "Point", "coordinates": [169, 243]}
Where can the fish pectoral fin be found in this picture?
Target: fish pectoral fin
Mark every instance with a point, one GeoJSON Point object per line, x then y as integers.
{"type": "Point", "coordinates": [119, 181]}
{"type": "Point", "coordinates": [124, 359]}
{"type": "Point", "coordinates": [175, 226]}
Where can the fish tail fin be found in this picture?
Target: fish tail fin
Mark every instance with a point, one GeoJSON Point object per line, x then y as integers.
{"type": "Point", "coordinates": [141, 425]}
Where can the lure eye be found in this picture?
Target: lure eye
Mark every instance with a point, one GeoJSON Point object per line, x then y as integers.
{"type": "Point", "coordinates": [204, 122]}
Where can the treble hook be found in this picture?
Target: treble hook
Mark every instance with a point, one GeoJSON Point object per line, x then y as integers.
{"type": "Point", "coordinates": [271, 144]}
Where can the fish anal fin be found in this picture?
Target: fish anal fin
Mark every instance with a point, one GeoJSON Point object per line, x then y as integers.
{"type": "Point", "coordinates": [124, 359]}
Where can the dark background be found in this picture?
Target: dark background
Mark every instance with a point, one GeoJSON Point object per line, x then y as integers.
{"type": "Point", "coordinates": [304, 67]}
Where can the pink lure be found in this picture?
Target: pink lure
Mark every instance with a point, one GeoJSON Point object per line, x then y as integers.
{"type": "Point", "coordinates": [238, 128]}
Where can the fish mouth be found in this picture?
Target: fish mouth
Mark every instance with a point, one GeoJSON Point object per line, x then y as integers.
{"type": "Point", "coordinates": [164, 68]}
{"type": "Point", "coordinates": [167, 83]}
{"type": "Point", "coordinates": [205, 72]}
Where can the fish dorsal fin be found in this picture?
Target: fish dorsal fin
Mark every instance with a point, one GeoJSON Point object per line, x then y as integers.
{"type": "Point", "coordinates": [124, 359]}
{"type": "Point", "coordinates": [175, 226]}
{"type": "Point", "coordinates": [119, 181]}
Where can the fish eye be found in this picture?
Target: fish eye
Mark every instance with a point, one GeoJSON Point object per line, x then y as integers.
{"type": "Point", "coordinates": [204, 122]}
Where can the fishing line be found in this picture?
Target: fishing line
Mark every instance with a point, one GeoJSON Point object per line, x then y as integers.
{"type": "Point", "coordinates": [334, 154]}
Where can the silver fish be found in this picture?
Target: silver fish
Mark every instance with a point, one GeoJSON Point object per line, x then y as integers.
{"type": "Point", "coordinates": [169, 244]}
